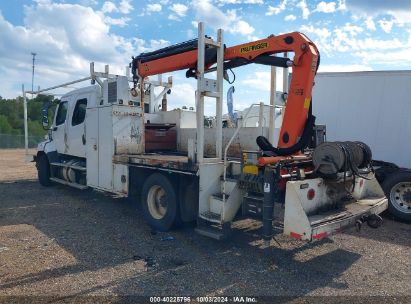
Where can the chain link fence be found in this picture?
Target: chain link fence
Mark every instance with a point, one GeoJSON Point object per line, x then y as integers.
{"type": "Point", "coordinates": [11, 141]}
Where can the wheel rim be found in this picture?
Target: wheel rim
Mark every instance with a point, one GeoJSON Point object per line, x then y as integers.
{"type": "Point", "coordinates": [400, 197]}
{"type": "Point", "coordinates": [157, 202]}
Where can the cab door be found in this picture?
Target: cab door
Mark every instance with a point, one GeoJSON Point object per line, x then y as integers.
{"type": "Point", "coordinates": [59, 127]}
{"type": "Point", "coordinates": [76, 135]}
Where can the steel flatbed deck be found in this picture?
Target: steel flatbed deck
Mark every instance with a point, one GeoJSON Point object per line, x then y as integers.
{"type": "Point", "coordinates": [158, 160]}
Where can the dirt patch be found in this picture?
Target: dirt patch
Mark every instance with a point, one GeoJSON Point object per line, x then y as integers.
{"type": "Point", "coordinates": [14, 167]}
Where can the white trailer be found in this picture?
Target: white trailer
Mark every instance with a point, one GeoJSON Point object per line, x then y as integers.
{"type": "Point", "coordinates": [373, 107]}
{"type": "Point", "coordinates": [116, 138]}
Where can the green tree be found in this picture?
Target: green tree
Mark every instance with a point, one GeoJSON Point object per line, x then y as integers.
{"type": "Point", "coordinates": [5, 127]}
{"type": "Point", "coordinates": [12, 112]}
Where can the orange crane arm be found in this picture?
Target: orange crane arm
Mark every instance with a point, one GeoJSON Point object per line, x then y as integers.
{"type": "Point", "coordinates": [304, 68]}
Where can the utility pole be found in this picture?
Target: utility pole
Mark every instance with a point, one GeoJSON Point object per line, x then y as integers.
{"type": "Point", "coordinates": [32, 74]}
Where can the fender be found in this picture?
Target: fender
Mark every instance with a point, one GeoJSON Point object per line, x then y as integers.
{"type": "Point", "coordinates": [49, 148]}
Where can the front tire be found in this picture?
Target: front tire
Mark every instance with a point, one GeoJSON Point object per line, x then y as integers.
{"type": "Point", "coordinates": [43, 170]}
{"type": "Point", "coordinates": [159, 203]}
{"type": "Point", "coordinates": [397, 188]}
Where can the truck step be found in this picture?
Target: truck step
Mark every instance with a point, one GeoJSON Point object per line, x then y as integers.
{"type": "Point", "coordinates": [69, 166]}
{"type": "Point", "coordinates": [211, 217]}
{"type": "Point", "coordinates": [211, 232]}
{"type": "Point", "coordinates": [219, 196]}
{"type": "Point", "coordinates": [64, 182]}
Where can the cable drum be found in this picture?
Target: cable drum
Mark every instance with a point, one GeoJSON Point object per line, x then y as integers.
{"type": "Point", "coordinates": [354, 152]}
{"type": "Point", "coordinates": [330, 158]}
{"type": "Point", "coordinates": [367, 154]}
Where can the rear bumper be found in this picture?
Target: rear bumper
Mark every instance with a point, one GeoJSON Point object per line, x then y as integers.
{"type": "Point", "coordinates": [325, 229]}
{"type": "Point", "coordinates": [330, 210]}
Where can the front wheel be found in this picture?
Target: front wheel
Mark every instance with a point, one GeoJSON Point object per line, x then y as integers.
{"type": "Point", "coordinates": [159, 203]}
{"type": "Point", "coordinates": [397, 188]}
{"type": "Point", "coordinates": [43, 170]}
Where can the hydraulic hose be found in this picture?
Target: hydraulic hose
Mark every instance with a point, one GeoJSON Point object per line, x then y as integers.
{"type": "Point", "coordinates": [304, 141]}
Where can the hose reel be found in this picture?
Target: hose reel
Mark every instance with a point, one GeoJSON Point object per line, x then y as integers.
{"type": "Point", "coordinates": [330, 158]}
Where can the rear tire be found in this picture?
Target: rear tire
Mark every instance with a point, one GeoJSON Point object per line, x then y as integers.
{"type": "Point", "coordinates": [397, 188]}
{"type": "Point", "coordinates": [159, 203]}
{"type": "Point", "coordinates": [43, 170]}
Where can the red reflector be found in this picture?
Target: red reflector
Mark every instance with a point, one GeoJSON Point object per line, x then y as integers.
{"type": "Point", "coordinates": [310, 194]}
{"type": "Point", "coordinates": [320, 235]}
{"type": "Point", "coordinates": [295, 235]}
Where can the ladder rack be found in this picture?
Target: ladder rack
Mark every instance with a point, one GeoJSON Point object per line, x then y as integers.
{"type": "Point", "coordinates": [207, 87]}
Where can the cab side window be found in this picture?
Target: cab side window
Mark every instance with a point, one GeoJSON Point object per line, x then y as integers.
{"type": "Point", "coordinates": [61, 113]}
{"type": "Point", "coordinates": [79, 112]}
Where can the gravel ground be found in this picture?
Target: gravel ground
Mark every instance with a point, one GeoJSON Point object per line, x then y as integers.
{"type": "Point", "coordinates": [63, 242]}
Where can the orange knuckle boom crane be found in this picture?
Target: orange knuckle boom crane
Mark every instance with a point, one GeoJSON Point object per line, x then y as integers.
{"type": "Point", "coordinates": [305, 64]}
{"type": "Point", "coordinates": [325, 189]}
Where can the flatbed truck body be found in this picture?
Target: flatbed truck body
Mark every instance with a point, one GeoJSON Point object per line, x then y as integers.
{"type": "Point", "coordinates": [121, 139]}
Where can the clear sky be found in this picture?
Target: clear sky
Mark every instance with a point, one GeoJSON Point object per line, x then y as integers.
{"type": "Point", "coordinates": [351, 35]}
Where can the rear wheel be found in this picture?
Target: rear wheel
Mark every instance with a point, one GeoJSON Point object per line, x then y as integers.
{"type": "Point", "coordinates": [159, 203]}
{"type": "Point", "coordinates": [397, 188]}
{"type": "Point", "coordinates": [43, 170]}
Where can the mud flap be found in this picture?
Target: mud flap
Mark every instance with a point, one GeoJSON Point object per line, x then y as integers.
{"type": "Point", "coordinates": [317, 208]}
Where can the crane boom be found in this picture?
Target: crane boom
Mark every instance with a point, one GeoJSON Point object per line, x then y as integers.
{"type": "Point", "coordinates": [304, 65]}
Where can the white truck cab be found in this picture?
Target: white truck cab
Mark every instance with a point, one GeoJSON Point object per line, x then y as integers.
{"type": "Point", "coordinates": [90, 126]}
{"type": "Point", "coordinates": [69, 128]}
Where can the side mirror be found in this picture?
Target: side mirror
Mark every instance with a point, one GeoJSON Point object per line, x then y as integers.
{"type": "Point", "coordinates": [45, 116]}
